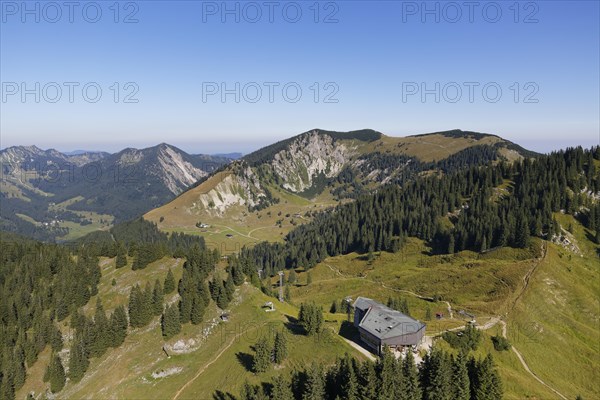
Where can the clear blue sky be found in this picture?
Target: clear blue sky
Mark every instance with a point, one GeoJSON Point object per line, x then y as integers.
{"type": "Point", "coordinates": [374, 56]}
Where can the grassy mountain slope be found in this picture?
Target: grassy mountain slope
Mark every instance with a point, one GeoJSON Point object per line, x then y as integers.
{"type": "Point", "coordinates": [268, 192]}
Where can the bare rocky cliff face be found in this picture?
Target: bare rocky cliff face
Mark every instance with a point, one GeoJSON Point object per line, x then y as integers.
{"type": "Point", "coordinates": [307, 157]}
{"type": "Point", "coordinates": [177, 173]}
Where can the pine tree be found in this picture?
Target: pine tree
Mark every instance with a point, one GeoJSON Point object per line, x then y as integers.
{"type": "Point", "coordinates": [308, 278]}
{"type": "Point", "coordinates": [78, 360]}
{"type": "Point", "coordinates": [118, 326]}
{"type": "Point", "coordinates": [280, 350]}
{"type": "Point", "coordinates": [412, 390]}
{"type": "Point", "coordinates": [311, 318]}
{"type": "Point", "coordinates": [101, 335]}
{"type": "Point", "coordinates": [169, 285]}
{"type": "Point", "coordinates": [198, 309]}
{"type": "Point", "coordinates": [386, 373]}
{"type": "Point", "coordinates": [18, 366]}
{"type": "Point", "coordinates": [315, 383]}
{"type": "Point", "coordinates": [229, 288]}
{"type": "Point", "coordinates": [135, 307]}
{"type": "Point", "coordinates": [292, 278]}
{"type": "Point", "coordinates": [428, 314]}
{"type": "Point", "coordinates": [287, 293]}
{"type": "Point", "coordinates": [170, 322]}
{"type": "Point", "coordinates": [157, 298]}
{"type": "Point", "coordinates": [488, 384]}
{"type": "Point", "coordinates": [55, 374]}
{"type": "Point", "coordinates": [121, 260]}
{"type": "Point", "coordinates": [460, 378]}
{"type": "Point", "coordinates": [347, 378]}
{"type": "Point", "coordinates": [262, 356]}
{"type": "Point", "coordinates": [367, 382]}
{"type": "Point", "coordinates": [281, 389]}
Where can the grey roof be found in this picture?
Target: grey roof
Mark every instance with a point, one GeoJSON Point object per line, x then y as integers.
{"type": "Point", "coordinates": [383, 322]}
{"type": "Point", "coordinates": [362, 303]}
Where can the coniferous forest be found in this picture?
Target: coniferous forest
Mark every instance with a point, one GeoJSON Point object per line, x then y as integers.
{"type": "Point", "coordinates": [489, 206]}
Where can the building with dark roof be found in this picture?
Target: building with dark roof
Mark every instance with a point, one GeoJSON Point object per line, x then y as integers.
{"type": "Point", "coordinates": [381, 326]}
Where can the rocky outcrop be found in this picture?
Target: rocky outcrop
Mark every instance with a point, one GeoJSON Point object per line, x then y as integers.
{"type": "Point", "coordinates": [307, 157]}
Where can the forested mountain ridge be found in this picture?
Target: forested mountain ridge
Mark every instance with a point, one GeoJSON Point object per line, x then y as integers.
{"type": "Point", "coordinates": [477, 209]}
{"type": "Point", "coordinates": [50, 195]}
{"type": "Point", "coordinates": [322, 168]}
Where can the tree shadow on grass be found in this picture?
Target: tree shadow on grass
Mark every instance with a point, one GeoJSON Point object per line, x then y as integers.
{"type": "Point", "coordinates": [246, 360]}
{"type": "Point", "coordinates": [219, 395]}
{"type": "Point", "coordinates": [293, 325]}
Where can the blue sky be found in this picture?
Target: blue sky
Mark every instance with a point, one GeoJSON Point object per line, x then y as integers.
{"type": "Point", "coordinates": [370, 61]}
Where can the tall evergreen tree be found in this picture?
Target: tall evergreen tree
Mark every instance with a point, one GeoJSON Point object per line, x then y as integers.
{"type": "Point", "coordinates": [460, 378]}
{"type": "Point", "coordinates": [368, 382]}
{"type": "Point", "coordinates": [412, 390]}
{"type": "Point", "coordinates": [157, 298]}
{"type": "Point", "coordinates": [78, 360]}
{"type": "Point", "coordinates": [315, 383]}
{"type": "Point", "coordinates": [170, 323]}
{"type": "Point", "coordinates": [280, 350]}
{"type": "Point", "coordinates": [169, 286]}
{"type": "Point", "coordinates": [386, 371]}
{"type": "Point", "coordinates": [56, 374]}
{"type": "Point", "coordinates": [262, 355]}
{"type": "Point", "coordinates": [118, 326]}
{"type": "Point", "coordinates": [282, 389]}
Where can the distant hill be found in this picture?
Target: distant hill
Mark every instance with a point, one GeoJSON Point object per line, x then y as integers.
{"type": "Point", "coordinates": [51, 195]}
{"type": "Point", "coordinates": [232, 156]}
{"type": "Point", "coordinates": [319, 168]}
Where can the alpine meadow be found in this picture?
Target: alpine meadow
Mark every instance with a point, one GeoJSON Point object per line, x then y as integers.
{"type": "Point", "coordinates": [326, 200]}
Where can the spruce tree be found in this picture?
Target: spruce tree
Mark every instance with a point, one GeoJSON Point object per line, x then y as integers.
{"type": "Point", "coordinates": [315, 384]}
{"type": "Point", "coordinates": [262, 355]}
{"type": "Point", "coordinates": [170, 323]}
{"type": "Point", "coordinates": [169, 286]}
{"type": "Point", "coordinates": [18, 366]}
{"type": "Point", "coordinates": [157, 298]}
{"type": "Point", "coordinates": [282, 389]}
{"type": "Point", "coordinates": [347, 379]}
{"type": "Point", "coordinates": [121, 260]}
{"type": "Point", "coordinates": [292, 277]}
{"type": "Point", "coordinates": [386, 372]}
{"type": "Point", "coordinates": [412, 390]}
{"type": "Point", "coordinates": [198, 309]}
{"type": "Point", "coordinates": [367, 381]}
{"type": "Point", "coordinates": [56, 374]}
{"type": "Point", "coordinates": [101, 326]}
{"type": "Point", "coordinates": [78, 360]}
{"type": "Point", "coordinates": [135, 307]}
{"type": "Point", "coordinates": [280, 350]}
{"type": "Point", "coordinates": [118, 326]}
{"type": "Point", "coordinates": [460, 378]}
{"type": "Point", "coordinates": [287, 293]}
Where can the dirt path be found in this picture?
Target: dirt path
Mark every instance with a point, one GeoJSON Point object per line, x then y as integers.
{"type": "Point", "coordinates": [215, 358]}
{"type": "Point", "coordinates": [529, 274]}
{"type": "Point", "coordinates": [526, 367]}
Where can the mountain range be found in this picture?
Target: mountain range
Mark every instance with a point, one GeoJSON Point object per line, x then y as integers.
{"type": "Point", "coordinates": [51, 195]}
